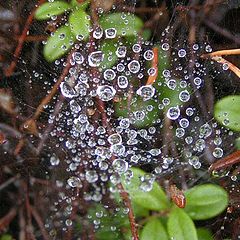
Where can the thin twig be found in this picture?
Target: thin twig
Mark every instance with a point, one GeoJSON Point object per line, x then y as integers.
{"type": "Point", "coordinates": [40, 223]}
{"type": "Point", "coordinates": [9, 71]}
{"type": "Point", "coordinates": [6, 220]}
{"type": "Point", "coordinates": [221, 31]}
{"type": "Point", "coordinates": [222, 52]}
{"type": "Point", "coordinates": [152, 78]}
{"type": "Point", "coordinates": [8, 182]}
{"type": "Point", "coordinates": [226, 161]}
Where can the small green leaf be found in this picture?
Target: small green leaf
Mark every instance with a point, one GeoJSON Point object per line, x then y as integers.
{"type": "Point", "coordinates": [80, 23]}
{"type": "Point", "coordinates": [82, 5]}
{"type": "Point", "coordinates": [237, 143]}
{"type": "Point", "coordinates": [152, 200]}
{"type": "Point", "coordinates": [50, 9]}
{"type": "Point", "coordinates": [226, 111]}
{"type": "Point", "coordinates": [110, 57]}
{"type": "Point", "coordinates": [180, 226]}
{"type": "Point", "coordinates": [58, 44]}
{"type": "Point", "coordinates": [139, 211]}
{"type": "Point", "coordinates": [6, 237]}
{"type": "Point", "coordinates": [204, 234]}
{"type": "Point", "coordinates": [205, 201]}
{"type": "Point", "coordinates": [137, 105]}
{"type": "Point", "coordinates": [154, 230]}
{"type": "Point", "coordinates": [125, 24]}
{"type": "Point", "coordinates": [132, 39]}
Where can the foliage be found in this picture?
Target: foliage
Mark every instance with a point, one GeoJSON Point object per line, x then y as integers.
{"type": "Point", "coordinates": [226, 111]}
{"type": "Point", "coordinates": [167, 221]}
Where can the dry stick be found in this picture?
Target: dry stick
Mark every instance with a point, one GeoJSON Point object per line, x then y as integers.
{"type": "Point", "coordinates": [50, 126]}
{"type": "Point", "coordinates": [221, 60]}
{"type": "Point", "coordinates": [9, 71]}
{"type": "Point", "coordinates": [22, 234]}
{"type": "Point", "coordinates": [53, 91]}
{"type": "Point", "coordinates": [191, 40]}
{"type": "Point", "coordinates": [226, 161]}
{"type": "Point", "coordinates": [6, 220]}
{"type": "Point", "coordinates": [9, 181]}
{"type": "Point", "coordinates": [222, 31]}
{"type": "Point", "coordinates": [222, 52]}
{"type": "Point", "coordinates": [230, 65]}
{"type": "Point", "coordinates": [124, 195]}
{"type": "Point", "coordinates": [152, 78]}
{"type": "Point", "coordinates": [105, 123]}
{"type": "Point", "coordinates": [40, 223]}
{"type": "Point", "coordinates": [48, 98]}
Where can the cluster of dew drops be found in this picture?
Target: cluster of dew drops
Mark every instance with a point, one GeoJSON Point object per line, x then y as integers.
{"type": "Point", "coordinates": [107, 156]}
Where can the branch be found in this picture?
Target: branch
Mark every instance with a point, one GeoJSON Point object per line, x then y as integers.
{"type": "Point", "coordinates": [6, 220]}
{"type": "Point", "coordinates": [40, 223]}
{"type": "Point", "coordinates": [9, 71]}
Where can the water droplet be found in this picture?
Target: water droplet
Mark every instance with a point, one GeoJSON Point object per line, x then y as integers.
{"type": "Point", "coordinates": [98, 33]}
{"type": "Point", "coordinates": [78, 57]}
{"type": "Point", "coordinates": [115, 138]}
{"type": "Point", "coordinates": [122, 82]}
{"type": "Point", "coordinates": [148, 55]}
{"type": "Point", "coordinates": [91, 176]}
{"type": "Point", "coordinates": [120, 166]}
{"type": "Point", "coordinates": [173, 113]}
{"type": "Point", "coordinates": [106, 93]}
{"type": "Point", "coordinates": [184, 96]}
{"type": "Point", "coordinates": [146, 92]}
{"type": "Point", "coordinates": [182, 53]}
{"type": "Point", "coordinates": [218, 152]}
{"type": "Point", "coordinates": [109, 75]}
{"type": "Point", "coordinates": [110, 33]}
{"type": "Point", "coordinates": [74, 182]}
{"type": "Point", "coordinates": [134, 66]}
{"type": "Point", "coordinates": [95, 58]}
{"type": "Point", "coordinates": [121, 51]}
{"type": "Point", "coordinates": [54, 160]}
{"type": "Point", "coordinates": [136, 48]}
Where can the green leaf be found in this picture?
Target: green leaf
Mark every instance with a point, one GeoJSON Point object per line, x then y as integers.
{"type": "Point", "coordinates": [50, 9]}
{"type": "Point", "coordinates": [152, 200]}
{"type": "Point", "coordinates": [237, 143]}
{"type": "Point", "coordinates": [107, 220]}
{"type": "Point", "coordinates": [205, 201]}
{"type": "Point", "coordinates": [82, 5]}
{"type": "Point", "coordinates": [226, 111]}
{"type": "Point", "coordinates": [154, 230]}
{"type": "Point", "coordinates": [126, 24]}
{"type": "Point", "coordinates": [139, 211]}
{"type": "Point", "coordinates": [6, 237]}
{"type": "Point", "coordinates": [180, 226]}
{"type": "Point", "coordinates": [132, 39]}
{"type": "Point", "coordinates": [80, 23]}
{"type": "Point", "coordinates": [204, 234]}
{"type": "Point", "coordinates": [58, 44]}
{"type": "Point", "coordinates": [110, 57]}
{"type": "Point", "coordinates": [138, 105]}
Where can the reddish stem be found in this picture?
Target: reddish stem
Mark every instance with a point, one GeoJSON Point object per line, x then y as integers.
{"type": "Point", "coordinates": [9, 71]}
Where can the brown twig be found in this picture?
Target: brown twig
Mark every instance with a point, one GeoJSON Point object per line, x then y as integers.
{"type": "Point", "coordinates": [221, 60]}
{"type": "Point", "coordinates": [226, 162]}
{"type": "Point", "coordinates": [53, 91]}
{"type": "Point", "coordinates": [8, 182]}
{"type": "Point", "coordinates": [40, 223]}
{"type": "Point", "coordinates": [222, 52]}
{"type": "Point", "coordinates": [152, 78]}
{"type": "Point", "coordinates": [6, 220]}
{"type": "Point", "coordinates": [101, 107]}
{"type": "Point", "coordinates": [9, 71]}
{"type": "Point", "coordinates": [221, 31]}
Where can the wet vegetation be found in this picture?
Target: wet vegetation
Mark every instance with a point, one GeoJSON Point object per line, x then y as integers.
{"type": "Point", "coordinates": [119, 119]}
